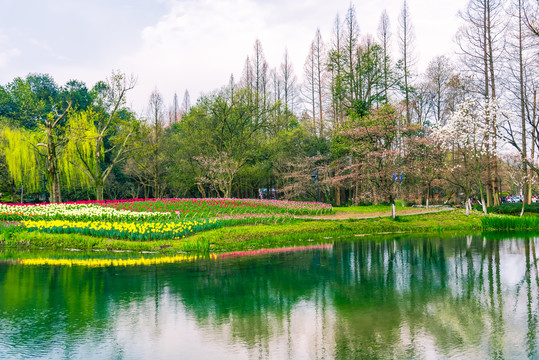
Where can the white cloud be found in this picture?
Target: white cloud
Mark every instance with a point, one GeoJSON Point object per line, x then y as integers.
{"type": "Point", "coordinates": [7, 51]}
{"type": "Point", "coordinates": [198, 44]}
{"type": "Point", "coordinates": [190, 44]}
{"type": "Point", "coordinates": [7, 55]}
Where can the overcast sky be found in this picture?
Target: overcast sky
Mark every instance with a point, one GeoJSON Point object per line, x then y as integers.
{"type": "Point", "coordinates": [174, 45]}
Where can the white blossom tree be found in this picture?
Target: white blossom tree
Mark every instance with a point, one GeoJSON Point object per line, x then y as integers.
{"type": "Point", "coordinates": [465, 138]}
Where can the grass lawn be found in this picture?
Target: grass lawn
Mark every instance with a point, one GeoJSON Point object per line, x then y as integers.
{"type": "Point", "coordinates": [371, 208]}
{"type": "Point", "coordinates": [249, 237]}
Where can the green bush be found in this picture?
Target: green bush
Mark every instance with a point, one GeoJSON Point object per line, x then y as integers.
{"type": "Point", "coordinates": [510, 223]}
{"type": "Point", "coordinates": [512, 208]}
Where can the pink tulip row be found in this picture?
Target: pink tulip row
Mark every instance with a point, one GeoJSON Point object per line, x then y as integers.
{"type": "Point", "coordinates": [273, 251]}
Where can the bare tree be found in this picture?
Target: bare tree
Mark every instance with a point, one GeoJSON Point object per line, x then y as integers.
{"type": "Point", "coordinates": [309, 85]}
{"type": "Point", "coordinates": [350, 47]}
{"type": "Point", "coordinates": [522, 83]}
{"type": "Point", "coordinates": [531, 17]}
{"type": "Point", "coordinates": [406, 39]}
{"type": "Point", "coordinates": [384, 35]}
{"type": "Point", "coordinates": [186, 102]}
{"type": "Point", "coordinates": [90, 130]}
{"type": "Point", "coordinates": [481, 43]}
{"type": "Point", "coordinates": [336, 69]}
{"type": "Point", "coordinates": [289, 83]}
{"type": "Point", "coordinates": [155, 110]}
{"type": "Point", "coordinates": [260, 78]}
{"type": "Point", "coordinates": [320, 78]}
{"type": "Point", "coordinates": [439, 73]}
{"type": "Point", "coordinates": [175, 109]}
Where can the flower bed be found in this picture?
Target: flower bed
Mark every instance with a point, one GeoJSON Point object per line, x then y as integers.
{"type": "Point", "coordinates": [155, 219]}
{"type": "Point", "coordinates": [121, 230]}
{"type": "Point", "coordinates": [80, 212]}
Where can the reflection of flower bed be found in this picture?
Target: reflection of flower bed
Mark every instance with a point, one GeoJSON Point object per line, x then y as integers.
{"type": "Point", "coordinates": [142, 261]}
{"type": "Point", "coordinates": [111, 262]}
{"type": "Point", "coordinates": [277, 250]}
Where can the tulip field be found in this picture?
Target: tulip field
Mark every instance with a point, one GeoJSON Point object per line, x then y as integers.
{"type": "Point", "coordinates": [154, 219]}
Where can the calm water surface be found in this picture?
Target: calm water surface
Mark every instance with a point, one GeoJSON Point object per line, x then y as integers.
{"type": "Point", "coordinates": [407, 298]}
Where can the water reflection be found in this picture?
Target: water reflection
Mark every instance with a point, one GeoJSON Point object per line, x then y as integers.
{"type": "Point", "coordinates": [405, 298]}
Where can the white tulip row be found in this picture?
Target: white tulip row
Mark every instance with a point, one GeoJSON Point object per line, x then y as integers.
{"type": "Point", "coordinates": [75, 211]}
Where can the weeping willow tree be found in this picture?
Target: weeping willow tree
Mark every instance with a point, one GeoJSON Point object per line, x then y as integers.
{"type": "Point", "coordinates": [22, 159]}
{"type": "Point", "coordinates": [86, 149]}
{"type": "Point", "coordinates": [81, 156]}
{"type": "Point", "coordinates": [31, 153]}
{"type": "Point", "coordinates": [105, 136]}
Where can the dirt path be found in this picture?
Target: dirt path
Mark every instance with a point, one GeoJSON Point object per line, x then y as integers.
{"type": "Point", "coordinates": [344, 215]}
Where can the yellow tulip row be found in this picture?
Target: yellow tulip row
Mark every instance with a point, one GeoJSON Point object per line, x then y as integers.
{"type": "Point", "coordinates": [113, 262]}
{"type": "Point", "coordinates": [118, 229]}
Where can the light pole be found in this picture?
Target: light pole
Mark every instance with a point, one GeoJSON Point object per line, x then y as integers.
{"type": "Point", "coordinates": [314, 177]}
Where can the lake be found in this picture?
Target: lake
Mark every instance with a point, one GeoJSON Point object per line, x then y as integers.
{"type": "Point", "coordinates": [464, 297]}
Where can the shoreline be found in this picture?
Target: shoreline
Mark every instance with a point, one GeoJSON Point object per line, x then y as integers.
{"type": "Point", "coordinates": [250, 237]}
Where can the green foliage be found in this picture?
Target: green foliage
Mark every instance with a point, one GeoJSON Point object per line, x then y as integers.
{"type": "Point", "coordinates": [257, 237]}
{"type": "Point", "coordinates": [399, 204]}
{"type": "Point", "coordinates": [21, 157]}
{"type": "Point", "coordinates": [8, 230]}
{"type": "Point", "coordinates": [505, 223]}
{"type": "Point", "coordinates": [80, 151]}
{"type": "Point", "coordinates": [513, 209]}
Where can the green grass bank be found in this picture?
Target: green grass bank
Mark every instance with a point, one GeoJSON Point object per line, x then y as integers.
{"type": "Point", "coordinates": [249, 237]}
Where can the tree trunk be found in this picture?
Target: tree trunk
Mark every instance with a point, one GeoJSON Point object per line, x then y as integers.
{"type": "Point", "coordinates": [428, 195]}
{"type": "Point", "coordinates": [13, 191]}
{"type": "Point", "coordinates": [99, 189]}
{"type": "Point", "coordinates": [392, 202]}
{"type": "Point", "coordinates": [522, 113]}
{"type": "Point", "coordinates": [532, 174]}
{"type": "Point", "coordinates": [467, 204]}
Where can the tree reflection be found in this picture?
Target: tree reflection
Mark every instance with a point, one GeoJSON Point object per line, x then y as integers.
{"type": "Point", "coordinates": [381, 298]}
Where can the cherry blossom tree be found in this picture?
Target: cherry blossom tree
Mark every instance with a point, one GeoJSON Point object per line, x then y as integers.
{"type": "Point", "coordinates": [373, 142]}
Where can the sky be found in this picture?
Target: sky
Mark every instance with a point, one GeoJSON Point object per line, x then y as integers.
{"type": "Point", "coordinates": [194, 45]}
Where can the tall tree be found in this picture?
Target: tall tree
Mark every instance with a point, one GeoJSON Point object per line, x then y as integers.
{"type": "Point", "coordinates": [463, 137]}
{"type": "Point", "coordinates": [156, 105]}
{"type": "Point", "coordinates": [522, 107]}
{"type": "Point", "coordinates": [175, 111]}
{"type": "Point", "coordinates": [52, 143]}
{"type": "Point", "coordinates": [439, 72]}
{"type": "Point", "coordinates": [289, 83]}
{"type": "Point", "coordinates": [309, 86]}
{"type": "Point", "coordinates": [260, 79]}
{"type": "Point", "coordinates": [481, 43]}
{"type": "Point", "coordinates": [372, 139]}
{"type": "Point", "coordinates": [350, 61]}
{"type": "Point", "coordinates": [335, 67]}
{"type": "Point", "coordinates": [384, 35]}
{"type": "Point", "coordinates": [222, 135]}
{"type": "Point", "coordinates": [406, 39]}
{"type": "Point", "coordinates": [186, 102]}
{"type": "Point", "coordinates": [49, 107]}
{"type": "Point", "coordinates": [107, 130]}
